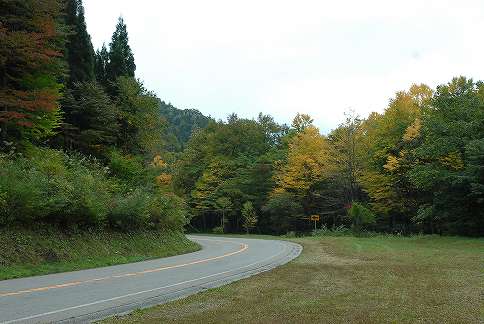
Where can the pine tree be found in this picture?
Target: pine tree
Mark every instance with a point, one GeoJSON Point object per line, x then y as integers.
{"type": "Point", "coordinates": [121, 59]}
{"type": "Point", "coordinates": [80, 53]}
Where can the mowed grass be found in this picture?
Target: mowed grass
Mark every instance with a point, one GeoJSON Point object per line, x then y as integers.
{"type": "Point", "coordinates": [26, 253]}
{"type": "Point", "coordinates": [347, 280]}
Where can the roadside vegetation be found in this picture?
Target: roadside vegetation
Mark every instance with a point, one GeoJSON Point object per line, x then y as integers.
{"type": "Point", "coordinates": [85, 153]}
{"type": "Point", "coordinates": [47, 250]}
{"type": "Point", "coordinates": [347, 279]}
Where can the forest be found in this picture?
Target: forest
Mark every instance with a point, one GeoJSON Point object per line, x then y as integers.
{"type": "Point", "coordinates": [85, 145]}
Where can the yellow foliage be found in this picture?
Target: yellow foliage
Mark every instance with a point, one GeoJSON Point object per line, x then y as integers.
{"type": "Point", "coordinates": [380, 189]}
{"type": "Point", "coordinates": [392, 163]}
{"type": "Point", "coordinates": [164, 179]}
{"type": "Point", "coordinates": [308, 161]}
{"type": "Point", "coordinates": [453, 161]}
{"type": "Point", "coordinates": [412, 131]}
{"type": "Point", "coordinates": [158, 162]}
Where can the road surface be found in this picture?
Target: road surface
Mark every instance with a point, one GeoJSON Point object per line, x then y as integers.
{"type": "Point", "coordinates": [86, 295]}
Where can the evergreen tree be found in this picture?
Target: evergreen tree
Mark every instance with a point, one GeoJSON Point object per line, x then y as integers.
{"type": "Point", "coordinates": [91, 119]}
{"type": "Point", "coordinates": [121, 59]}
{"type": "Point", "coordinates": [80, 53]}
{"type": "Point", "coordinates": [101, 63]}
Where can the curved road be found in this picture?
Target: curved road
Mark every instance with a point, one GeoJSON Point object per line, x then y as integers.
{"type": "Point", "coordinates": [87, 295]}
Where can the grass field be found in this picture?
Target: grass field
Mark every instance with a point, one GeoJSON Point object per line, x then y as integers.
{"type": "Point", "coordinates": [27, 252]}
{"type": "Point", "coordinates": [347, 280]}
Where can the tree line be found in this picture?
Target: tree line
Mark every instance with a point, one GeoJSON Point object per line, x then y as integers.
{"type": "Point", "coordinates": [418, 167]}
{"type": "Point", "coordinates": [85, 144]}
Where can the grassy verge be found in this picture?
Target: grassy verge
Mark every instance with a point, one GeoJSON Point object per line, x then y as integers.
{"type": "Point", "coordinates": [347, 280]}
{"type": "Point", "coordinates": [26, 252]}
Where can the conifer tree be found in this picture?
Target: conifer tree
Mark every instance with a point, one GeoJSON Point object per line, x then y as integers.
{"type": "Point", "coordinates": [80, 53]}
{"type": "Point", "coordinates": [91, 124]}
{"type": "Point", "coordinates": [121, 59]}
{"type": "Point", "coordinates": [101, 64]}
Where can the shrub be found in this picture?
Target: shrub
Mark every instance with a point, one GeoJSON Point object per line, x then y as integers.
{"type": "Point", "coordinates": [127, 168]}
{"type": "Point", "coordinates": [249, 216]}
{"type": "Point", "coordinates": [131, 211]}
{"type": "Point", "coordinates": [218, 230]}
{"type": "Point", "coordinates": [168, 211]}
{"type": "Point", "coordinates": [360, 216]}
{"type": "Point", "coordinates": [341, 230]}
{"type": "Point", "coordinates": [50, 186]}
{"type": "Point", "coordinates": [23, 191]}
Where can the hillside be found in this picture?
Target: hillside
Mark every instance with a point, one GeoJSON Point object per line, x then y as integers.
{"type": "Point", "coordinates": [181, 124]}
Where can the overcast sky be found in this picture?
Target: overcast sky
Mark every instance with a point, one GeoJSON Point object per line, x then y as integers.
{"type": "Point", "coordinates": [282, 57]}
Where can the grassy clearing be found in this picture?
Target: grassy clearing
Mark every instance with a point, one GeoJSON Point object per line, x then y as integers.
{"type": "Point", "coordinates": [347, 280]}
{"type": "Point", "coordinates": [27, 253]}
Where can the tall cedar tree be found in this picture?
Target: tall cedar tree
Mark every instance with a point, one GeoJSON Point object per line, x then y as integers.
{"type": "Point", "coordinates": [80, 53]}
{"type": "Point", "coordinates": [121, 59]}
{"type": "Point", "coordinates": [31, 43]}
{"type": "Point", "coordinates": [101, 65]}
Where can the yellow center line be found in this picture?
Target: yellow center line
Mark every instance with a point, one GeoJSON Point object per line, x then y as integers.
{"type": "Point", "coordinates": [243, 247]}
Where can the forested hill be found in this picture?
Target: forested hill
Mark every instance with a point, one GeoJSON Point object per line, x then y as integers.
{"type": "Point", "coordinates": [182, 123]}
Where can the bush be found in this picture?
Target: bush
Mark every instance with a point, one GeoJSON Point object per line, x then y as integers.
{"type": "Point", "coordinates": [360, 217]}
{"type": "Point", "coordinates": [168, 211]}
{"type": "Point", "coordinates": [128, 168]}
{"type": "Point", "coordinates": [337, 231]}
{"type": "Point", "coordinates": [131, 211]}
{"type": "Point", "coordinates": [218, 230]}
{"type": "Point", "coordinates": [49, 186]}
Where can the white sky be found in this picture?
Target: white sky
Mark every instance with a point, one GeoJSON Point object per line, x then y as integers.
{"type": "Point", "coordinates": [282, 57]}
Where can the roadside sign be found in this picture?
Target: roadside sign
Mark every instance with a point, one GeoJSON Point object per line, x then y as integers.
{"type": "Point", "coordinates": [313, 218]}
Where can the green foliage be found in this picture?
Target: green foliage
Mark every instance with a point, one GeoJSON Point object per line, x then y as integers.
{"type": "Point", "coordinates": [417, 166]}
{"type": "Point", "coordinates": [141, 128]}
{"type": "Point", "coordinates": [449, 171]}
{"type": "Point", "coordinates": [340, 230]}
{"type": "Point", "coordinates": [218, 230]}
{"type": "Point", "coordinates": [232, 159]}
{"type": "Point", "coordinates": [49, 186]}
{"type": "Point", "coordinates": [128, 168]}
{"type": "Point", "coordinates": [121, 59]}
{"type": "Point", "coordinates": [131, 211]}
{"type": "Point", "coordinates": [91, 120]}
{"type": "Point", "coordinates": [360, 216]}
{"type": "Point", "coordinates": [48, 249]}
{"type": "Point", "coordinates": [285, 212]}
{"type": "Point", "coordinates": [168, 211]}
{"type": "Point", "coordinates": [79, 50]}
{"type": "Point", "coordinates": [249, 216]}
{"type": "Point", "coordinates": [101, 65]}
{"type": "Point", "coordinates": [182, 124]}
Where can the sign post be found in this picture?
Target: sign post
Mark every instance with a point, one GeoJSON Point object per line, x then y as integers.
{"type": "Point", "coordinates": [314, 218]}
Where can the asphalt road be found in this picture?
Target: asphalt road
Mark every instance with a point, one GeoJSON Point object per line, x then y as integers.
{"type": "Point", "coordinates": [87, 295]}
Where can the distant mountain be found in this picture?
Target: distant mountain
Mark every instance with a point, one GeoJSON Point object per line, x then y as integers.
{"type": "Point", "coordinates": [182, 123]}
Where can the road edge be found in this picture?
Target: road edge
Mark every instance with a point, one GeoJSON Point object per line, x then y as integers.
{"type": "Point", "coordinates": [293, 251]}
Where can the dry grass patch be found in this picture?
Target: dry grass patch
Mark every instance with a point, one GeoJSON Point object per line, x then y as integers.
{"type": "Point", "coordinates": [347, 280]}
